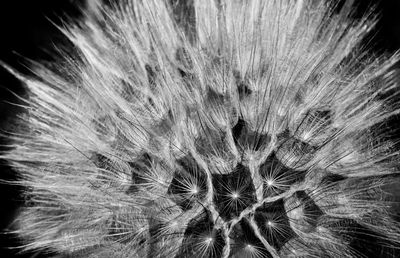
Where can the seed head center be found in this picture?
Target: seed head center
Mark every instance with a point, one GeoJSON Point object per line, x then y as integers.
{"type": "Point", "coordinates": [235, 195]}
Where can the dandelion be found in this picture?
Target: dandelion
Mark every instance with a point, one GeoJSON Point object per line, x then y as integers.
{"type": "Point", "coordinates": [208, 128]}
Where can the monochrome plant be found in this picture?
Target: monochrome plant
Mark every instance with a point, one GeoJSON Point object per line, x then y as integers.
{"type": "Point", "coordinates": [208, 128]}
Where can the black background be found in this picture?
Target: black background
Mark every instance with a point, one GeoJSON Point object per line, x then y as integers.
{"type": "Point", "coordinates": [26, 31]}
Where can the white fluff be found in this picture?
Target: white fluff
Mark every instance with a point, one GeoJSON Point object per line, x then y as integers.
{"type": "Point", "coordinates": [126, 147]}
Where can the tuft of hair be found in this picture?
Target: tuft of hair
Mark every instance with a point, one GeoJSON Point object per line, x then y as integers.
{"type": "Point", "coordinates": [208, 128]}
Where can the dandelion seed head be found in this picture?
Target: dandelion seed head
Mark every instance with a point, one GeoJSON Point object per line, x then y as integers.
{"type": "Point", "coordinates": [208, 129]}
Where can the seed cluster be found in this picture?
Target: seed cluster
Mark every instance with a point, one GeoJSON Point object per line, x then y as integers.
{"type": "Point", "coordinates": [251, 210]}
{"type": "Point", "coordinates": [245, 130]}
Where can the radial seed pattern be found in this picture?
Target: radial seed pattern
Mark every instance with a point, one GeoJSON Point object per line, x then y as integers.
{"type": "Point", "coordinates": [208, 129]}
